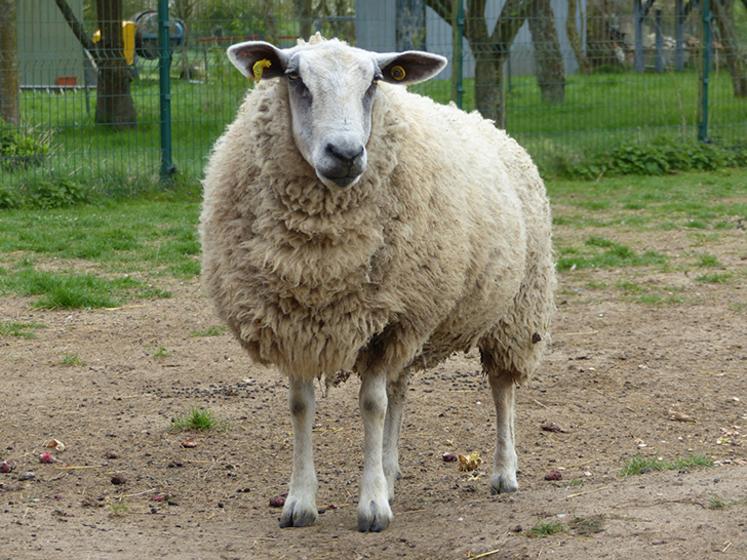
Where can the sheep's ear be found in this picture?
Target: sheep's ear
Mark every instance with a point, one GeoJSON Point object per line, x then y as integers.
{"type": "Point", "coordinates": [257, 59]}
{"type": "Point", "coordinates": [409, 67]}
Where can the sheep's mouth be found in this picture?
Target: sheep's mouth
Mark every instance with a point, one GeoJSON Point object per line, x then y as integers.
{"type": "Point", "coordinates": [342, 181]}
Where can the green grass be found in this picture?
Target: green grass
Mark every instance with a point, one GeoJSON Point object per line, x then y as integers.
{"type": "Point", "coordinates": [714, 502]}
{"type": "Point", "coordinates": [706, 261]}
{"type": "Point", "coordinates": [55, 290]}
{"type": "Point", "coordinates": [546, 528]}
{"type": "Point", "coordinates": [161, 353]}
{"type": "Point", "coordinates": [599, 252]}
{"type": "Point", "coordinates": [197, 419]}
{"type": "Point", "coordinates": [641, 465]}
{"type": "Point", "coordinates": [212, 330]}
{"type": "Point", "coordinates": [709, 200]}
{"type": "Point", "coordinates": [72, 360]}
{"type": "Point", "coordinates": [20, 330]}
{"type": "Point", "coordinates": [714, 278]}
{"type": "Point", "coordinates": [600, 112]}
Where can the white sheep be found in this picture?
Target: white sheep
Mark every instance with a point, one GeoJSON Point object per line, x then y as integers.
{"type": "Point", "coordinates": [350, 225]}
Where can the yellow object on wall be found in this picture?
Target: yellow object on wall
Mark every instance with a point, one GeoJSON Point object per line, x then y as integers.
{"type": "Point", "coordinates": [128, 40]}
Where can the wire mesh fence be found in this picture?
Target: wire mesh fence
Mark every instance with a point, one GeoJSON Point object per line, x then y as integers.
{"type": "Point", "coordinates": [81, 98]}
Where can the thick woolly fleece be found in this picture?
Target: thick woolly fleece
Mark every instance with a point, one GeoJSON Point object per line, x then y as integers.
{"type": "Point", "coordinates": [443, 244]}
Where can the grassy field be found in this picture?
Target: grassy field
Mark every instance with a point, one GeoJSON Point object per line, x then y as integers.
{"type": "Point", "coordinates": [600, 112]}
{"type": "Point", "coordinates": [107, 254]}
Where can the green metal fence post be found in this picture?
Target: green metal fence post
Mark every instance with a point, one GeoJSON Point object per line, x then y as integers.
{"type": "Point", "coordinates": [704, 79]}
{"type": "Point", "coordinates": [460, 58]}
{"type": "Point", "coordinates": [164, 87]}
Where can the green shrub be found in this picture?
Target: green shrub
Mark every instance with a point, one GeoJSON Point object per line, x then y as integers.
{"type": "Point", "coordinates": [18, 151]}
{"type": "Point", "coordinates": [660, 157]}
{"type": "Point", "coordinates": [57, 193]}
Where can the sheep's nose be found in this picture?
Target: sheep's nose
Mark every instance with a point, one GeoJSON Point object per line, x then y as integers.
{"type": "Point", "coordinates": [345, 153]}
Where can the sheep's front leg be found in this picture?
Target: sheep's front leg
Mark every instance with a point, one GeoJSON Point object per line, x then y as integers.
{"type": "Point", "coordinates": [505, 462]}
{"type": "Point", "coordinates": [374, 513]}
{"type": "Point", "coordinates": [300, 505]}
{"type": "Point", "coordinates": [395, 392]}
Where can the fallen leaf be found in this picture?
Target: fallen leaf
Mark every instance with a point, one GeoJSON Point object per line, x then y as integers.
{"type": "Point", "coordinates": [55, 444]}
{"type": "Point", "coordinates": [678, 416]}
{"type": "Point", "coordinates": [469, 462]}
{"type": "Point", "coordinates": [552, 427]}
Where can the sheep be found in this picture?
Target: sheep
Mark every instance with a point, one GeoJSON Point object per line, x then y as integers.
{"type": "Point", "coordinates": [350, 225]}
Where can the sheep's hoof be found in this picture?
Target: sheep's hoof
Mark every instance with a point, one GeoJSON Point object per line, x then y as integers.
{"type": "Point", "coordinates": [297, 513]}
{"type": "Point", "coordinates": [374, 517]}
{"type": "Point", "coordinates": [503, 483]}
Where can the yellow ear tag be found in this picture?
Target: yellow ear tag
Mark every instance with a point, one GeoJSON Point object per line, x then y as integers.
{"type": "Point", "coordinates": [259, 67]}
{"type": "Point", "coordinates": [397, 73]}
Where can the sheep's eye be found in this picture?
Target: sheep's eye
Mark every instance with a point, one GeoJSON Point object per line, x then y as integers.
{"type": "Point", "coordinates": [293, 76]}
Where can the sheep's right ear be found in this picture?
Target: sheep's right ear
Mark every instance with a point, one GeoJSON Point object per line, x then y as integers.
{"type": "Point", "coordinates": [257, 59]}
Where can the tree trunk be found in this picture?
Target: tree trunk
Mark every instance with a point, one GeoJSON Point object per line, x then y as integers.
{"type": "Point", "coordinates": [549, 61]}
{"type": "Point", "coordinates": [574, 38]}
{"type": "Point", "coordinates": [114, 105]}
{"type": "Point", "coordinates": [8, 63]}
{"type": "Point", "coordinates": [303, 9]}
{"type": "Point", "coordinates": [271, 28]}
{"type": "Point", "coordinates": [600, 42]}
{"type": "Point", "coordinates": [735, 60]}
{"type": "Point", "coordinates": [489, 92]}
{"type": "Point", "coordinates": [410, 25]}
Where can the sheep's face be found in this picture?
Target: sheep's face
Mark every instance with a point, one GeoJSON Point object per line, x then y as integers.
{"type": "Point", "coordinates": [332, 88]}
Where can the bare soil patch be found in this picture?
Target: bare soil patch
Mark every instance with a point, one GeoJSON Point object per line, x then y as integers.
{"type": "Point", "coordinates": [617, 373]}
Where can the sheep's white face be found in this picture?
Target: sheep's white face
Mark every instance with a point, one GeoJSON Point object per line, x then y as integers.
{"type": "Point", "coordinates": [332, 90]}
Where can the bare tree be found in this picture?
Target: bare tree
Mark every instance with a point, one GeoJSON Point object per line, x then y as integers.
{"type": "Point", "coordinates": [735, 59]}
{"type": "Point", "coordinates": [114, 105]}
{"type": "Point", "coordinates": [549, 60]}
{"type": "Point", "coordinates": [305, 19]}
{"type": "Point", "coordinates": [574, 39]}
{"type": "Point", "coordinates": [8, 62]}
{"type": "Point", "coordinates": [490, 49]}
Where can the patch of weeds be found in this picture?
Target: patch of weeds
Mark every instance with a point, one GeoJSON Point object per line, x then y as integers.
{"type": "Point", "coordinates": [73, 291]}
{"type": "Point", "coordinates": [696, 224]}
{"type": "Point", "coordinates": [659, 299]}
{"type": "Point", "coordinates": [20, 330]}
{"type": "Point", "coordinates": [605, 253]}
{"type": "Point", "coordinates": [641, 465]}
{"type": "Point", "coordinates": [708, 261]}
{"type": "Point", "coordinates": [72, 360]}
{"type": "Point", "coordinates": [545, 529]}
{"type": "Point", "coordinates": [714, 502]}
{"type": "Point", "coordinates": [198, 419]}
{"type": "Point", "coordinates": [212, 330]}
{"type": "Point", "coordinates": [630, 287]}
{"type": "Point", "coordinates": [596, 285]}
{"type": "Point", "coordinates": [118, 509]}
{"type": "Point", "coordinates": [587, 525]}
{"type": "Point", "coordinates": [576, 482]}
{"type": "Point", "coordinates": [715, 278]}
{"type": "Point", "coordinates": [738, 307]}
{"type": "Point", "coordinates": [161, 352]}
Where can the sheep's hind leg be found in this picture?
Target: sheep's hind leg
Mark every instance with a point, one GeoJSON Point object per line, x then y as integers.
{"type": "Point", "coordinates": [396, 391]}
{"type": "Point", "coordinates": [503, 478]}
{"type": "Point", "coordinates": [300, 505]}
{"type": "Point", "coordinates": [374, 512]}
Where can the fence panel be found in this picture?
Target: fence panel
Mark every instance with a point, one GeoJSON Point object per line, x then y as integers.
{"type": "Point", "coordinates": [579, 77]}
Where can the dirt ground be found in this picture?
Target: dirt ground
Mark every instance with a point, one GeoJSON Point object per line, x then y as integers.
{"type": "Point", "coordinates": [618, 375]}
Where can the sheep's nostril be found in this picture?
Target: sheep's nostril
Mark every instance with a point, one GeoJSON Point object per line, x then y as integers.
{"type": "Point", "coordinates": [344, 153]}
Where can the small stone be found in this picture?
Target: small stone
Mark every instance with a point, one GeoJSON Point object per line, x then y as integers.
{"type": "Point", "coordinates": [118, 480]}
{"type": "Point", "coordinates": [277, 501]}
{"type": "Point", "coordinates": [189, 444]}
{"type": "Point", "coordinates": [28, 475]}
{"type": "Point", "coordinates": [449, 457]}
{"type": "Point", "coordinates": [6, 467]}
{"type": "Point", "coordinates": [112, 455]}
{"type": "Point", "coordinates": [517, 529]}
{"type": "Point", "coordinates": [554, 475]}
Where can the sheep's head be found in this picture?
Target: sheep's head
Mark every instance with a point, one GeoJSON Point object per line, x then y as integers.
{"type": "Point", "coordinates": [332, 88]}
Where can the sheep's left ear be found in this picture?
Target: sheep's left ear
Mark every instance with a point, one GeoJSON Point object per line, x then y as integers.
{"type": "Point", "coordinates": [257, 59]}
{"type": "Point", "coordinates": [409, 67]}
